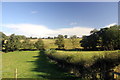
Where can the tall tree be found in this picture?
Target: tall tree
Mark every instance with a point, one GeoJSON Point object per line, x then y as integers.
{"type": "Point", "coordinates": [60, 42]}
{"type": "Point", "coordinates": [105, 38]}
{"type": "Point", "coordinates": [12, 44]}
{"type": "Point", "coordinates": [85, 42]}
{"type": "Point", "coordinates": [110, 37]}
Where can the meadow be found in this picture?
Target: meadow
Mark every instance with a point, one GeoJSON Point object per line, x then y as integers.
{"type": "Point", "coordinates": [33, 64]}
{"type": "Point", "coordinates": [76, 56]}
{"type": "Point", "coordinates": [30, 64]}
{"type": "Point", "coordinates": [91, 63]}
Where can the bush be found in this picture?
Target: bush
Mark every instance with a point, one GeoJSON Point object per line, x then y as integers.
{"type": "Point", "coordinates": [39, 44]}
{"type": "Point", "coordinates": [51, 51]}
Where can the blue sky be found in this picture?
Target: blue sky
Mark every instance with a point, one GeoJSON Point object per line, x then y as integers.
{"type": "Point", "coordinates": [53, 18]}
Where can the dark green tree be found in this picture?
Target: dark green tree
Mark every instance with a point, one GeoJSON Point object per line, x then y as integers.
{"type": "Point", "coordinates": [65, 36]}
{"type": "Point", "coordinates": [12, 44]}
{"type": "Point", "coordinates": [93, 31]}
{"type": "Point", "coordinates": [90, 42]}
{"type": "Point", "coordinates": [104, 39]}
{"type": "Point", "coordinates": [60, 42]}
{"type": "Point", "coordinates": [110, 37]}
{"type": "Point", "coordinates": [85, 42]}
{"type": "Point", "coordinates": [3, 38]}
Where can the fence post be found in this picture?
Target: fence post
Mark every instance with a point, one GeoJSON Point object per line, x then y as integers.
{"type": "Point", "coordinates": [16, 73]}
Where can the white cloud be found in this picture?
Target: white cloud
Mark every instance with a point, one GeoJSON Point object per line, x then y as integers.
{"type": "Point", "coordinates": [43, 31]}
{"type": "Point", "coordinates": [79, 31]}
{"type": "Point", "coordinates": [111, 25]}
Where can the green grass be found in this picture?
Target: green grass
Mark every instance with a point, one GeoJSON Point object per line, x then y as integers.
{"type": "Point", "coordinates": [86, 58]}
{"type": "Point", "coordinates": [49, 43]}
{"type": "Point", "coordinates": [19, 60]}
{"type": "Point", "coordinates": [30, 64]}
{"type": "Point", "coordinates": [76, 56]}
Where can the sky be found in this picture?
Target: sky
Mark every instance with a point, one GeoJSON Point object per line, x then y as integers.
{"type": "Point", "coordinates": [43, 19]}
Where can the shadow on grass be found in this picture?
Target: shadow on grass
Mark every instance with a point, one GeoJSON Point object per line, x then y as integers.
{"type": "Point", "coordinates": [49, 70]}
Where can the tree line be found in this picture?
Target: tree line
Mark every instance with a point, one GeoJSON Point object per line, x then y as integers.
{"type": "Point", "coordinates": [103, 39]}
{"type": "Point", "coordinates": [21, 42]}
{"type": "Point", "coordinates": [17, 42]}
{"type": "Point", "coordinates": [61, 42]}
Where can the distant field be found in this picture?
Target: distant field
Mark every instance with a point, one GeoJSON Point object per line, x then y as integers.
{"type": "Point", "coordinates": [50, 43]}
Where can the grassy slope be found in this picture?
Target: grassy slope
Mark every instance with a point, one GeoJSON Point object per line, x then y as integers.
{"type": "Point", "coordinates": [76, 56]}
{"type": "Point", "coordinates": [30, 65]}
{"type": "Point", "coordinates": [49, 43]}
{"type": "Point", "coordinates": [87, 56]}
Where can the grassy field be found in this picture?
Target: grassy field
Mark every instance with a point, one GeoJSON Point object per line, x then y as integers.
{"type": "Point", "coordinates": [33, 64]}
{"type": "Point", "coordinates": [88, 59]}
{"type": "Point", "coordinates": [30, 64]}
{"type": "Point", "coordinates": [50, 43]}
{"type": "Point", "coordinates": [76, 56]}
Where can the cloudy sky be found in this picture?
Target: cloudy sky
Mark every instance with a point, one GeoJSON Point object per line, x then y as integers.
{"type": "Point", "coordinates": [43, 19]}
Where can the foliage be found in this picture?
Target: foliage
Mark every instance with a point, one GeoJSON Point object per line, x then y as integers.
{"type": "Point", "coordinates": [65, 36]}
{"type": "Point", "coordinates": [50, 37]}
{"type": "Point", "coordinates": [31, 37]}
{"type": "Point", "coordinates": [110, 37]}
{"type": "Point", "coordinates": [39, 44]}
{"type": "Point", "coordinates": [12, 43]}
{"type": "Point", "coordinates": [26, 44]}
{"type": "Point", "coordinates": [103, 39]}
{"type": "Point", "coordinates": [60, 42]}
{"type": "Point", "coordinates": [48, 43]}
{"type": "Point", "coordinates": [50, 51]}
{"type": "Point", "coordinates": [96, 66]}
{"type": "Point", "coordinates": [3, 36]}
{"type": "Point", "coordinates": [21, 37]}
